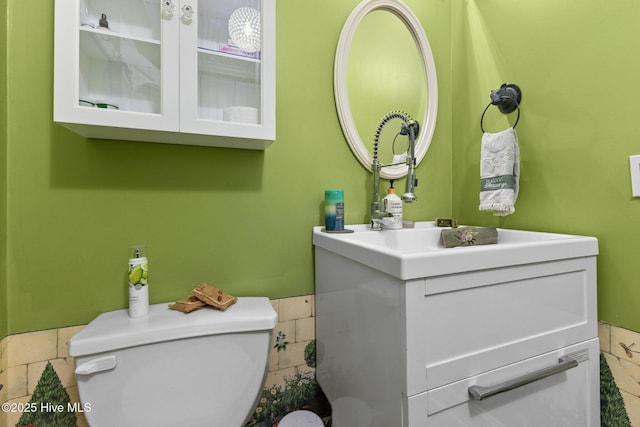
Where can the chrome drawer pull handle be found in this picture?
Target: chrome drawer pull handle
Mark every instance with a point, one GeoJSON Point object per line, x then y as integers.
{"type": "Point", "coordinates": [480, 393]}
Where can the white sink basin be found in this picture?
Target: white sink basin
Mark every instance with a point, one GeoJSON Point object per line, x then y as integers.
{"type": "Point", "coordinates": [418, 252]}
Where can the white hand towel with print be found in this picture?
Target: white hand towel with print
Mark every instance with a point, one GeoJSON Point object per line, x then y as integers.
{"type": "Point", "coordinates": [499, 172]}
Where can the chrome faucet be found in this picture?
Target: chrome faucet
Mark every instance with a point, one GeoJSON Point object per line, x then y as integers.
{"type": "Point", "coordinates": [410, 128]}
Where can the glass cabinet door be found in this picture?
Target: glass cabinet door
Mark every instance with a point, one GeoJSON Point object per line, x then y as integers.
{"type": "Point", "coordinates": [121, 74]}
{"type": "Point", "coordinates": [227, 68]}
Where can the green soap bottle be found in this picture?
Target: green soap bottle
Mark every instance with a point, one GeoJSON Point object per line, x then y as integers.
{"type": "Point", "coordinates": [138, 278]}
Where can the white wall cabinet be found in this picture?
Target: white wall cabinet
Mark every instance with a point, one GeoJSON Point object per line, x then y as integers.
{"type": "Point", "coordinates": [172, 71]}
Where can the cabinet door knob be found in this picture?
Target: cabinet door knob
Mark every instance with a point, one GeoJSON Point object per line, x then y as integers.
{"type": "Point", "coordinates": [167, 8]}
{"type": "Point", "coordinates": [187, 14]}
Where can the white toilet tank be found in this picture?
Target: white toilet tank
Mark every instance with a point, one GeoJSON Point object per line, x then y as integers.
{"type": "Point", "coordinates": [205, 368]}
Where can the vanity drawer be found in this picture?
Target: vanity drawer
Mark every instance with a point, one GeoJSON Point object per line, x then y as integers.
{"type": "Point", "coordinates": [461, 325]}
{"type": "Point", "coordinates": [559, 385]}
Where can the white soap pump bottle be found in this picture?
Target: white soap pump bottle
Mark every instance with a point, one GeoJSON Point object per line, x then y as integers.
{"type": "Point", "coordinates": [138, 278]}
{"type": "Point", "coordinates": [392, 204]}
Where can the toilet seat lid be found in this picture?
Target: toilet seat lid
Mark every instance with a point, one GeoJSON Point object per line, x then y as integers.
{"type": "Point", "coordinates": [116, 330]}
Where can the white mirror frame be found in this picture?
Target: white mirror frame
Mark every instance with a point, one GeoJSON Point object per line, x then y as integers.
{"type": "Point", "coordinates": [428, 122]}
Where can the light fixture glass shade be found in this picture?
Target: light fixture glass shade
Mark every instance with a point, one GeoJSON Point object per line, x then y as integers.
{"type": "Point", "coordinates": [244, 29]}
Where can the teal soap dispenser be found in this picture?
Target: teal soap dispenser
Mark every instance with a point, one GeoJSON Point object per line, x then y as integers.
{"type": "Point", "coordinates": [334, 210]}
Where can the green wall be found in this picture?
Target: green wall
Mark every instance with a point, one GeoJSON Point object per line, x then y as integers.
{"type": "Point", "coordinates": [239, 219]}
{"type": "Point", "coordinates": [3, 168]}
{"type": "Point", "coordinates": [70, 207]}
{"type": "Point", "coordinates": [578, 69]}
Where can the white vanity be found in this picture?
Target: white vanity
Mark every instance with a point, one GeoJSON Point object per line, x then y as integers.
{"type": "Point", "coordinates": [411, 334]}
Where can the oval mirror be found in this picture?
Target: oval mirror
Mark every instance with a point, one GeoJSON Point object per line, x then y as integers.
{"type": "Point", "coordinates": [377, 72]}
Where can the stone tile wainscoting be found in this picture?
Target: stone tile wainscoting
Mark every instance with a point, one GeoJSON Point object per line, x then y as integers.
{"type": "Point", "coordinates": [621, 348]}
{"type": "Point", "coordinates": [23, 358]}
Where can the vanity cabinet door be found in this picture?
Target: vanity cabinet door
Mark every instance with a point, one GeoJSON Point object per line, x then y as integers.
{"type": "Point", "coordinates": [227, 57]}
{"type": "Point", "coordinates": [114, 66]}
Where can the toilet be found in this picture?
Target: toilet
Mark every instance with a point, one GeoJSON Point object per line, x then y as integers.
{"type": "Point", "coordinates": [205, 368]}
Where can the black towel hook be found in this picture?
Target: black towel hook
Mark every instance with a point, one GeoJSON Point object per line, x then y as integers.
{"type": "Point", "coordinates": [507, 98]}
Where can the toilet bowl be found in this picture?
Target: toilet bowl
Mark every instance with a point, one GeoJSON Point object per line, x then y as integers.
{"type": "Point", "coordinates": [205, 368]}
